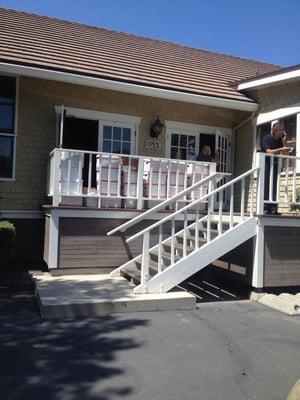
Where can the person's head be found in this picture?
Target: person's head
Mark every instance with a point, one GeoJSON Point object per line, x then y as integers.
{"type": "Point", "coordinates": [206, 150]}
{"type": "Point", "coordinates": [278, 130]}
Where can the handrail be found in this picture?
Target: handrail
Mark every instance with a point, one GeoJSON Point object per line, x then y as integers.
{"type": "Point", "coordinates": [285, 156]}
{"type": "Point", "coordinates": [165, 203]}
{"type": "Point", "coordinates": [193, 204]}
{"type": "Point", "coordinates": [133, 156]}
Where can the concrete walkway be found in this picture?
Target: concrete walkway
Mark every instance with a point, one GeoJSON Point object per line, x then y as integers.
{"type": "Point", "coordinates": [95, 295]}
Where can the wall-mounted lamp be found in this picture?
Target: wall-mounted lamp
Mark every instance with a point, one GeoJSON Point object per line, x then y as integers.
{"type": "Point", "coordinates": [156, 128]}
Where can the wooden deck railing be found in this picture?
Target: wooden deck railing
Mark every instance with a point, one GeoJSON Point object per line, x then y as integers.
{"type": "Point", "coordinates": [105, 180]}
{"type": "Point", "coordinates": [278, 181]}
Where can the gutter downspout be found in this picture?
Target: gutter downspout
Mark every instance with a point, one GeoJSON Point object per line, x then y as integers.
{"type": "Point", "coordinates": [252, 118]}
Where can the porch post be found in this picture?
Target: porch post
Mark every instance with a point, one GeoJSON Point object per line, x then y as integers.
{"type": "Point", "coordinates": [61, 126]}
{"type": "Point", "coordinates": [140, 184]}
{"type": "Point", "coordinates": [260, 163]}
{"type": "Point", "coordinates": [258, 259]}
{"type": "Point", "coordinates": [55, 178]}
{"type": "Point", "coordinates": [53, 239]}
{"type": "Point", "coordinates": [298, 141]}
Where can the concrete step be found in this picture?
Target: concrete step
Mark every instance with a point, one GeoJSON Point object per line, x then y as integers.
{"type": "Point", "coordinates": [96, 295]}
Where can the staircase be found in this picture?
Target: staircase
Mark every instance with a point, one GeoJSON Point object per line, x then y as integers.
{"type": "Point", "coordinates": [181, 252]}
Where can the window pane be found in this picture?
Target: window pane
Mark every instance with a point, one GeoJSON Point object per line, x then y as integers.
{"type": "Point", "coordinates": [116, 147]}
{"type": "Point", "coordinates": [183, 154]}
{"type": "Point", "coordinates": [117, 133]}
{"type": "Point", "coordinates": [191, 141]}
{"type": "Point", "coordinates": [107, 146]}
{"type": "Point", "coordinates": [107, 132]}
{"type": "Point", "coordinates": [174, 139]}
{"type": "Point", "coordinates": [6, 118]}
{"type": "Point", "coordinates": [183, 140]}
{"type": "Point", "coordinates": [126, 134]}
{"type": "Point", "coordinates": [7, 89]}
{"type": "Point", "coordinates": [175, 153]}
{"type": "Point", "coordinates": [6, 156]}
{"type": "Point", "coordinates": [126, 148]}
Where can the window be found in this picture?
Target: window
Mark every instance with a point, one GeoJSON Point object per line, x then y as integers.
{"type": "Point", "coordinates": [7, 126]}
{"type": "Point", "coordinates": [183, 147]}
{"type": "Point", "coordinates": [117, 138]}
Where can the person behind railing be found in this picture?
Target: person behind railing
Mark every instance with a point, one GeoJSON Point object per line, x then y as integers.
{"type": "Point", "coordinates": [206, 155]}
{"type": "Point", "coordinates": [272, 144]}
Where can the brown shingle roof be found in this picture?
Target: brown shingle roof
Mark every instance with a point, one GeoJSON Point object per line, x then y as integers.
{"type": "Point", "coordinates": [45, 42]}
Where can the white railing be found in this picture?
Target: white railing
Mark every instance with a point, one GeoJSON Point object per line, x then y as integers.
{"type": "Point", "coordinates": [278, 181]}
{"type": "Point", "coordinates": [186, 195]}
{"type": "Point", "coordinates": [167, 227]}
{"type": "Point", "coordinates": [106, 180]}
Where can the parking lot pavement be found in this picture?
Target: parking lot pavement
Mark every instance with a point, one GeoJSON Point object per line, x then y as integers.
{"type": "Point", "coordinates": [229, 351]}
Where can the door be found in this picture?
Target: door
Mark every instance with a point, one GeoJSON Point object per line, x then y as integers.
{"type": "Point", "coordinates": [82, 134]}
{"type": "Point", "coordinates": [116, 137]}
{"type": "Point", "coordinates": [223, 152]}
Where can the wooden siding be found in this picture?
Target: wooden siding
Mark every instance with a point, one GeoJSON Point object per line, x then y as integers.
{"type": "Point", "coordinates": [282, 256]}
{"type": "Point", "coordinates": [37, 129]}
{"type": "Point", "coordinates": [83, 243]}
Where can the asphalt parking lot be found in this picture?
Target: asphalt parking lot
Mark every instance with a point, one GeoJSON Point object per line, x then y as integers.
{"type": "Point", "coordinates": [230, 351]}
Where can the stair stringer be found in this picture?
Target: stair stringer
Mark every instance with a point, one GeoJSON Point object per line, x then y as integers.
{"type": "Point", "coordinates": [200, 258]}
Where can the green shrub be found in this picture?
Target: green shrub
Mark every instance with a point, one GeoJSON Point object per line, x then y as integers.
{"type": "Point", "coordinates": [7, 240]}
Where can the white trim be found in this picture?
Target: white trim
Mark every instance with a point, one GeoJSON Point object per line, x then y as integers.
{"type": "Point", "coordinates": [270, 80]}
{"type": "Point", "coordinates": [195, 127]}
{"type": "Point", "coordinates": [98, 115]}
{"type": "Point", "coordinates": [279, 221]}
{"type": "Point", "coordinates": [258, 257]}
{"type": "Point", "coordinates": [128, 87]}
{"type": "Point", "coordinates": [53, 241]}
{"type": "Point", "coordinates": [270, 116]}
{"type": "Point", "coordinates": [22, 214]}
{"type": "Point", "coordinates": [298, 141]}
{"type": "Point", "coordinates": [100, 214]}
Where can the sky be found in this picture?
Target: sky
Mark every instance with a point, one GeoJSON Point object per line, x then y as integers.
{"type": "Point", "coordinates": [264, 30]}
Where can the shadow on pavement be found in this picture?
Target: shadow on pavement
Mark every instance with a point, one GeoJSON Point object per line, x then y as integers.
{"type": "Point", "coordinates": [62, 359]}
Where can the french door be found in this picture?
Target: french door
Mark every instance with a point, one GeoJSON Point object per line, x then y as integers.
{"type": "Point", "coordinates": [116, 137]}
{"type": "Point", "coordinates": [223, 151]}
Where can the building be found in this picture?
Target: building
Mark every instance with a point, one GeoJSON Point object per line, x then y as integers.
{"type": "Point", "coordinates": [98, 126]}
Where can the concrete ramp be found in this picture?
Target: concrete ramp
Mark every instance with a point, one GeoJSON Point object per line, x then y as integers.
{"type": "Point", "coordinates": [96, 295]}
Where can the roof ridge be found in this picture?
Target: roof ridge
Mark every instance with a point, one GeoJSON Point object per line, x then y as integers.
{"type": "Point", "coordinates": [141, 36]}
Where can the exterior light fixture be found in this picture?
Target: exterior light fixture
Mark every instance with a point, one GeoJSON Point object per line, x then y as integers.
{"type": "Point", "coordinates": [156, 128]}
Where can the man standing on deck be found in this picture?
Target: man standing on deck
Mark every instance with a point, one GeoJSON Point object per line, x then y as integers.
{"type": "Point", "coordinates": [274, 143]}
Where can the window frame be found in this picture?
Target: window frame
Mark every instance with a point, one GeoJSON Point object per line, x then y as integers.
{"type": "Point", "coordinates": [121, 125]}
{"type": "Point", "coordinates": [13, 134]}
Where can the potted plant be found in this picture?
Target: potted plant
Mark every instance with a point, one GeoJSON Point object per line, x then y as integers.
{"type": "Point", "coordinates": [7, 242]}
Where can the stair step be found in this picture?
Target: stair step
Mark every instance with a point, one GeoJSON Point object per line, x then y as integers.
{"type": "Point", "coordinates": [191, 238]}
{"type": "Point", "coordinates": [203, 230]}
{"type": "Point", "coordinates": [133, 272]}
{"type": "Point", "coordinates": [165, 256]}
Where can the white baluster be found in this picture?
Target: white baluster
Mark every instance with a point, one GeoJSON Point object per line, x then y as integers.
{"type": "Point", "coordinates": [145, 259]}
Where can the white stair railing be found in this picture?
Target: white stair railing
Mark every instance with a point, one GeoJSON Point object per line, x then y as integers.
{"type": "Point", "coordinates": [185, 196]}
{"type": "Point", "coordinates": [190, 245]}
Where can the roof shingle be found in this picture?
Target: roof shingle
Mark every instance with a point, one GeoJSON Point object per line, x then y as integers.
{"type": "Point", "coordinates": [46, 42]}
